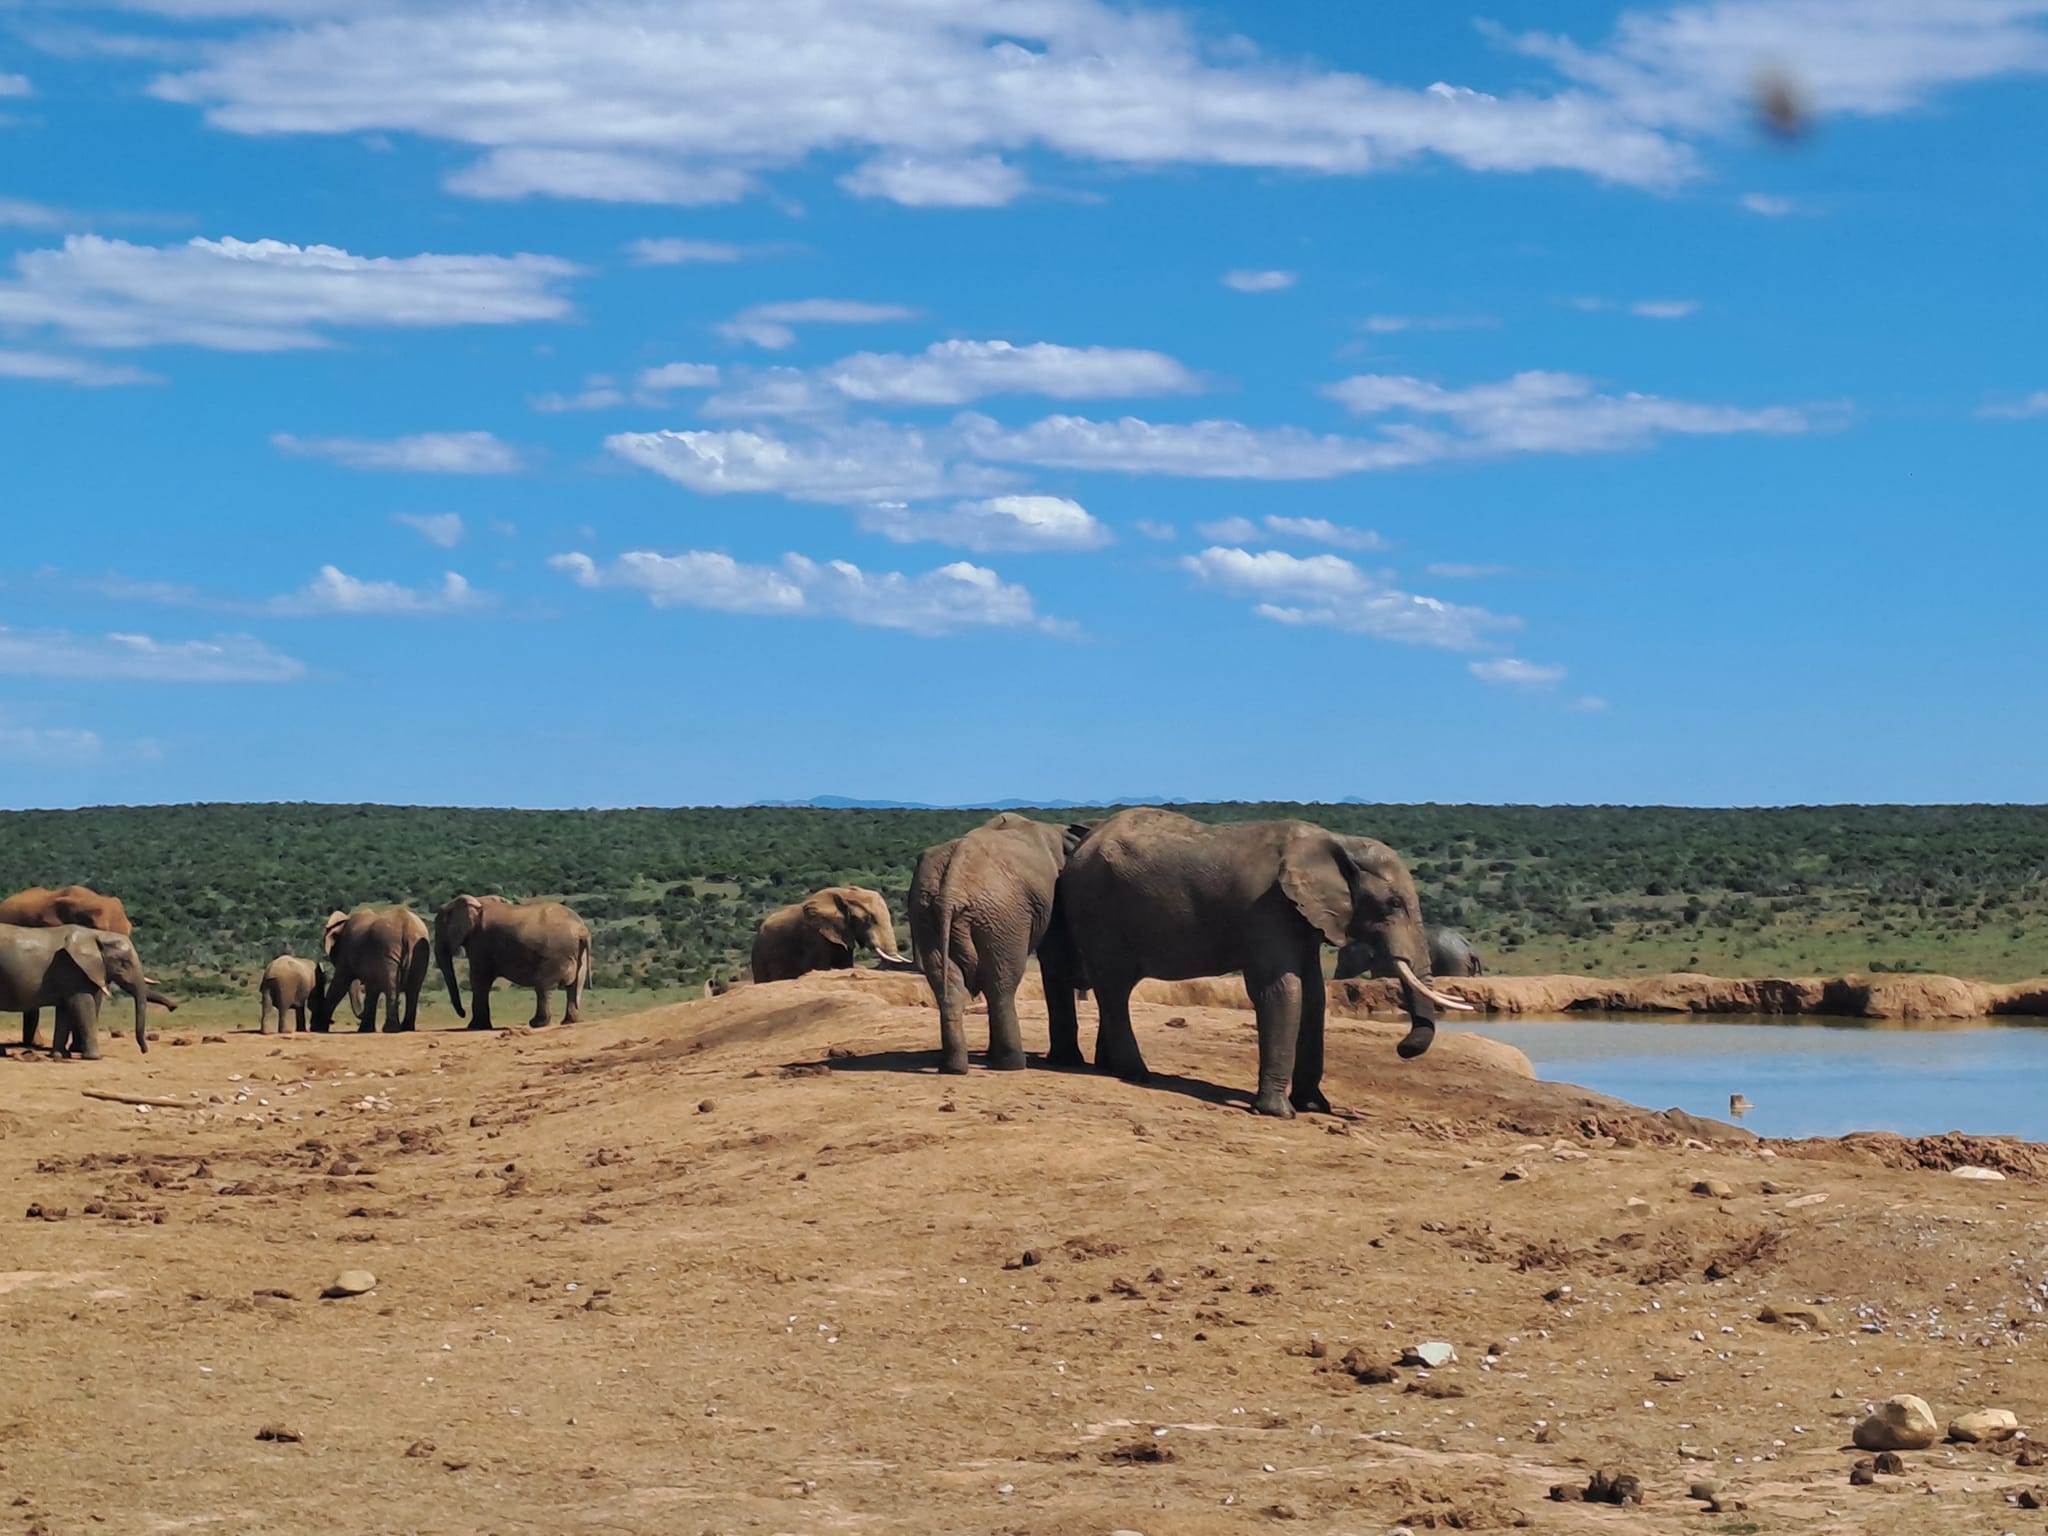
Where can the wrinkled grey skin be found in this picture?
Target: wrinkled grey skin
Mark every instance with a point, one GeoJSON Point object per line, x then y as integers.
{"type": "Point", "coordinates": [385, 950]}
{"type": "Point", "coordinates": [821, 933]}
{"type": "Point", "coordinates": [70, 969]}
{"type": "Point", "coordinates": [1152, 893]}
{"type": "Point", "coordinates": [1450, 954]}
{"type": "Point", "coordinates": [537, 944]}
{"type": "Point", "coordinates": [980, 907]}
{"type": "Point", "coordinates": [287, 989]}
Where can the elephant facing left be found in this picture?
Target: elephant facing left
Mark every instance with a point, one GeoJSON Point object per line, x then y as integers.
{"type": "Point", "coordinates": [70, 969]}
{"type": "Point", "coordinates": [537, 944]}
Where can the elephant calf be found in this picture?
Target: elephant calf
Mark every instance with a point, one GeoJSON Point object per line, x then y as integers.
{"type": "Point", "coordinates": [980, 907]}
{"type": "Point", "coordinates": [821, 933]}
{"type": "Point", "coordinates": [288, 986]}
{"type": "Point", "coordinates": [537, 944]}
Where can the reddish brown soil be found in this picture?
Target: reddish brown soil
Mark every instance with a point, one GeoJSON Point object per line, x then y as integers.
{"type": "Point", "coordinates": [748, 1266]}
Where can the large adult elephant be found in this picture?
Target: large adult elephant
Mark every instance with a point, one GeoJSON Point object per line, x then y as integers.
{"type": "Point", "coordinates": [980, 907]}
{"type": "Point", "coordinates": [384, 949]}
{"type": "Point", "coordinates": [537, 944]}
{"type": "Point", "coordinates": [1152, 893]}
{"type": "Point", "coordinates": [1450, 954]}
{"type": "Point", "coordinates": [821, 933]}
{"type": "Point", "coordinates": [37, 907]}
{"type": "Point", "coordinates": [70, 968]}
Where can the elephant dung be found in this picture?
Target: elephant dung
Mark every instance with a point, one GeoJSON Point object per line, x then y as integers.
{"type": "Point", "coordinates": [351, 1282]}
{"type": "Point", "coordinates": [1901, 1423]}
{"type": "Point", "coordinates": [1985, 1425]}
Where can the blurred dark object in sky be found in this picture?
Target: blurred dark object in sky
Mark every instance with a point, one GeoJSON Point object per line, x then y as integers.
{"type": "Point", "coordinates": [1781, 106]}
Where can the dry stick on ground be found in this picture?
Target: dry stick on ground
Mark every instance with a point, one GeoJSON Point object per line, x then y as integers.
{"type": "Point", "coordinates": [136, 1098]}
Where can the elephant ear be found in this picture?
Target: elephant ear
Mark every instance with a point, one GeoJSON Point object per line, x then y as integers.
{"type": "Point", "coordinates": [333, 929]}
{"type": "Point", "coordinates": [830, 913]}
{"type": "Point", "coordinates": [1075, 834]}
{"type": "Point", "coordinates": [83, 951]}
{"type": "Point", "coordinates": [1316, 874]}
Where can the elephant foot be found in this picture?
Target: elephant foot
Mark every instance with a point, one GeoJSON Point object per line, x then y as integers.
{"type": "Point", "coordinates": [573, 1018]}
{"type": "Point", "coordinates": [1132, 1070]}
{"type": "Point", "coordinates": [1066, 1059]}
{"type": "Point", "coordinates": [480, 1024]}
{"type": "Point", "coordinates": [1273, 1103]}
{"type": "Point", "coordinates": [1309, 1101]}
{"type": "Point", "coordinates": [536, 1023]}
{"type": "Point", "coordinates": [366, 1029]}
{"type": "Point", "coordinates": [953, 1066]}
{"type": "Point", "coordinates": [1008, 1061]}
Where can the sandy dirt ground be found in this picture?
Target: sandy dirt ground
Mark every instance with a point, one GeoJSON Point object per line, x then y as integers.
{"type": "Point", "coordinates": [748, 1265]}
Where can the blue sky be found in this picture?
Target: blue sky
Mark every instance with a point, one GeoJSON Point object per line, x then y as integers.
{"type": "Point", "coordinates": [599, 402]}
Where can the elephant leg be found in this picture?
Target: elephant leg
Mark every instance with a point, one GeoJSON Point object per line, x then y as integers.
{"type": "Point", "coordinates": [543, 1008]}
{"type": "Point", "coordinates": [952, 1001]}
{"type": "Point", "coordinates": [367, 1024]}
{"type": "Point", "coordinates": [1116, 1043]}
{"type": "Point", "coordinates": [30, 1023]}
{"type": "Point", "coordinates": [1276, 999]}
{"type": "Point", "coordinates": [1063, 1024]}
{"type": "Point", "coordinates": [394, 1022]}
{"type": "Point", "coordinates": [1005, 1035]}
{"type": "Point", "coordinates": [480, 983]}
{"type": "Point", "coordinates": [1307, 1094]}
{"type": "Point", "coordinates": [79, 1027]}
{"type": "Point", "coordinates": [574, 1014]}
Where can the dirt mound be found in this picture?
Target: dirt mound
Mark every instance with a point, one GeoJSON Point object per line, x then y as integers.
{"type": "Point", "coordinates": [749, 1264]}
{"type": "Point", "coordinates": [1852, 997]}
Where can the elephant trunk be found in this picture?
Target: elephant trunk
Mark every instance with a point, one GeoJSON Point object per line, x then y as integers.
{"type": "Point", "coordinates": [1422, 1001]}
{"type": "Point", "coordinates": [142, 1018]}
{"type": "Point", "coordinates": [444, 954]}
{"type": "Point", "coordinates": [156, 997]}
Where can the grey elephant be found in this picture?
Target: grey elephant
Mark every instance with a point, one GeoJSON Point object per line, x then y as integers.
{"type": "Point", "coordinates": [1152, 893]}
{"type": "Point", "coordinates": [70, 969]}
{"type": "Point", "coordinates": [77, 905]}
{"type": "Point", "coordinates": [1450, 954]}
{"type": "Point", "coordinates": [537, 944]}
{"type": "Point", "coordinates": [288, 987]}
{"type": "Point", "coordinates": [980, 907]}
{"type": "Point", "coordinates": [821, 933]}
{"type": "Point", "coordinates": [385, 950]}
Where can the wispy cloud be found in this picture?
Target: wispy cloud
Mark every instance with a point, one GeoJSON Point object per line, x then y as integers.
{"type": "Point", "coordinates": [425, 453]}
{"type": "Point", "coordinates": [997, 525]}
{"type": "Point", "coordinates": [676, 253]}
{"type": "Point", "coordinates": [678, 376]}
{"type": "Point", "coordinates": [915, 181]}
{"type": "Point", "coordinates": [599, 393]}
{"type": "Point", "coordinates": [142, 658]}
{"type": "Point", "coordinates": [955, 372]}
{"type": "Point", "coordinates": [1453, 571]}
{"type": "Point", "coordinates": [15, 85]}
{"type": "Point", "coordinates": [15, 213]}
{"type": "Point", "coordinates": [772, 326]}
{"type": "Point", "coordinates": [2035, 404]}
{"type": "Point", "coordinates": [1313, 530]}
{"type": "Point", "coordinates": [54, 368]}
{"type": "Point", "coordinates": [1388, 325]}
{"type": "Point", "coordinates": [335, 592]}
{"type": "Point", "coordinates": [1513, 672]}
{"type": "Point", "coordinates": [953, 597]}
{"type": "Point", "coordinates": [23, 740]}
{"type": "Point", "coordinates": [596, 175]}
{"type": "Point", "coordinates": [1769, 205]}
{"type": "Point", "coordinates": [1642, 309]}
{"type": "Point", "coordinates": [1330, 591]}
{"type": "Point", "coordinates": [1210, 450]}
{"type": "Point", "coordinates": [1245, 280]}
{"type": "Point", "coordinates": [443, 530]}
{"type": "Point", "coordinates": [847, 465]}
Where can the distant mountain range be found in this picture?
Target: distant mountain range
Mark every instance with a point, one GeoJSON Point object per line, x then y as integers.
{"type": "Point", "coordinates": [848, 803]}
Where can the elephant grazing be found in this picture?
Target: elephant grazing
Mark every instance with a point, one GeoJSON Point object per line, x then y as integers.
{"type": "Point", "coordinates": [980, 907]}
{"type": "Point", "coordinates": [821, 932]}
{"type": "Point", "coordinates": [1450, 954]}
{"type": "Point", "coordinates": [289, 984]}
{"type": "Point", "coordinates": [1152, 893]}
{"type": "Point", "coordinates": [70, 968]}
{"type": "Point", "coordinates": [537, 944]}
{"type": "Point", "coordinates": [386, 952]}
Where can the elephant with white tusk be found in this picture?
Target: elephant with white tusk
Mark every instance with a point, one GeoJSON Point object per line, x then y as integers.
{"type": "Point", "coordinates": [1450, 954]}
{"type": "Point", "coordinates": [1152, 893]}
{"type": "Point", "coordinates": [70, 969]}
{"type": "Point", "coordinates": [821, 933]}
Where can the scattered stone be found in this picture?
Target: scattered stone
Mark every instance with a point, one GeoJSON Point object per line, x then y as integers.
{"type": "Point", "coordinates": [1863, 1474]}
{"type": "Point", "coordinates": [1698, 1453]}
{"type": "Point", "coordinates": [1517, 1172]}
{"type": "Point", "coordinates": [1809, 1319]}
{"type": "Point", "coordinates": [280, 1434]}
{"type": "Point", "coordinates": [1431, 1355]}
{"type": "Point", "coordinates": [1558, 1293]}
{"type": "Point", "coordinates": [1713, 1189]}
{"type": "Point", "coordinates": [1549, 1434]}
{"type": "Point", "coordinates": [1982, 1175]}
{"type": "Point", "coordinates": [1986, 1424]}
{"type": "Point", "coordinates": [1669, 1378]}
{"type": "Point", "coordinates": [1614, 1488]}
{"type": "Point", "coordinates": [1805, 1200]}
{"type": "Point", "coordinates": [1901, 1423]}
{"type": "Point", "coordinates": [1707, 1489]}
{"type": "Point", "coordinates": [2029, 1457]}
{"type": "Point", "coordinates": [40, 1212]}
{"type": "Point", "coordinates": [1176, 1022]}
{"type": "Point", "coordinates": [2031, 1498]}
{"type": "Point", "coordinates": [350, 1282]}
{"type": "Point", "coordinates": [420, 1449]}
{"type": "Point", "coordinates": [1773, 1187]}
{"type": "Point", "coordinates": [1368, 1373]}
{"type": "Point", "coordinates": [706, 1106]}
{"type": "Point", "coordinates": [275, 1293]}
{"type": "Point", "coordinates": [1891, 1464]}
{"type": "Point", "coordinates": [1567, 1493]}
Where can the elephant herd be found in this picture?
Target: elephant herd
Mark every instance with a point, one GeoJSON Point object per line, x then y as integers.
{"type": "Point", "coordinates": [1144, 893]}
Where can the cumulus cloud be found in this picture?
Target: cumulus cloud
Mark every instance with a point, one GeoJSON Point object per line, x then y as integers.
{"type": "Point", "coordinates": [142, 658]}
{"type": "Point", "coordinates": [773, 325]}
{"type": "Point", "coordinates": [265, 295]}
{"type": "Point", "coordinates": [1330, 591]}
{"type": "Point", "coordinates": [620, 98]}
{"type": "Point", "coordinates": [997, 525]}
{"type": "Point", "coordinates": [1513, 672]}
{"type": "Point", "coordinates": [848, 465]}
{"type": "Point", "coordinates": [675, 253]}
{"type": "Point", "coordinates": [2035, 404]}
{"type": "Point", "coordinates": [975, 181]}
{"type": "Point", "coordinates": [53, 368]}
{"type": "Point", "coordinates": [334, 592]}
{"type": "Point", "coordinates": [443, 530]}
{"type": "Point", "coordinates": [426, 453]}
{"type": "Point", "coordinates": [953, 597]}
{"type": "Point", "coordinates": [1245, 280]}
{"type": "Point", "coordinates": [1314, 530]}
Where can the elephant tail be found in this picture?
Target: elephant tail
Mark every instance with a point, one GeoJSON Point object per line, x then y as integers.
{"type": "Point", "coordinates": [583, 961]}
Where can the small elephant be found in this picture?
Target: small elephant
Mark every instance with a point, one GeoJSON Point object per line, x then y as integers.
{"type": "Point", "coordinates": [980, 907]}
{"type": "Point", "coordinates": [70, 969]}
{"type": "Point", "coordinates": [1152, 893]}
{"type": "Point", "coordinates": [537, 944]}
{"type": "Point", "coordinates": [821, 932]}
{"type": "Point", "coordinates": [385, 951]}
{"type": "Point", "coordinates": [1450, 954]}
{"type": "Point", "coordinates": [289, 984]}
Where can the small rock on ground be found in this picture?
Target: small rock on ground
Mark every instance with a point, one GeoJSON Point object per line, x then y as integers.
{"type": "Point", "coordinates": [1901, 1423]}
{"type": "Point", "coordinates": [351, 1282]}
{"type": "Point", "coordinates": [1986, 1424]}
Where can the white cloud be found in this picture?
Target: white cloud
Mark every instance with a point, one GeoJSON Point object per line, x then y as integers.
{"type": "Point", "coordinates": [264, 295]}
{"type": "Point", "coordinates": [1388, 325]}
{"type": "Point", "coordinates": [599, 393]}
{"type": "Point", "coordinates": [15, 85]}
{"type": "Point", "coordinates": [1452, 571]}
{"type": "Point", "coordinates": [1328, 590]}
{"type": "Point", "coordinates": [1314, 530]}
{"type": "Point", "coordinates": [22, 743]}
{"type": "Point", "coordinates": [861, 464]}
{"type": "Point", "coordinates": [426, 453]}
{"type": "Point", "coordinates": [140, 658]}
{"type": "Point", "coordinates": [1539, 412]}
{"type": "Point", "coordinates": [1513, 672]}
{"type": "Point", "coordinates": [1664, 309]}
{"type": "Point", "coordinates": [953, 597]}
{"type": "Point", "coordinates": [622, 98]}
{"type": "Point", "coordinates": [678, 376]}
{"type": "Point", "coordinates": [955, 372]}
{"type": "Point", "coordinates": [17, 213]}
{"type": "Point", "coordinates": [1769, 205]}
{"type": "Point", "coordinates": [598, 176]}
{"type": "Point", "coordinates": [443, 530]}
{"type": "Point", "coordinates": [1590, 704]}
{"type": "Point", "coordinates": [51, 368]}
{"type": "Point", "coordinates": [675, 253]}
{"type": "Point", "coordinates": [2035, 404]}
{"type": "Point", "coordinates": [1215, 450]}
{"type": "Point", "coordinates": [974, 181]}
{"type": "Point", "coordinates": [334, 591]}
{"type": "Point", "coordinates": [1151, 528]}
{"type": "Point", "coordinates": [1245, 280]}
{"type": "Point", "coordinates": [997, 525]}
{"type": "Point", "coordinates": [771, 325]}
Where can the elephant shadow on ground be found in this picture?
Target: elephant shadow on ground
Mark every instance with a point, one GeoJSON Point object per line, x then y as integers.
{"type": "Point", "coordinates": [926, 1064]}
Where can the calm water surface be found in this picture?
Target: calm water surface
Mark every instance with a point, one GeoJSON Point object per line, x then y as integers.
{"type": "Point", "coordinates": [1806, 1077]}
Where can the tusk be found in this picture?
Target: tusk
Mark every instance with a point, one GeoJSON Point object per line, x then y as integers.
{"type": "Point", "coordinates": [1442, 1000]}
{"type": "Point", "coordinates": [892, 959]}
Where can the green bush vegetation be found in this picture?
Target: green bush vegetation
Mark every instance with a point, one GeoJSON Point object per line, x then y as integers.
{"type": "Point", "coordinates": [672, 896]}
